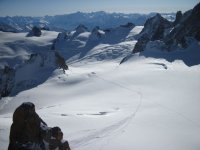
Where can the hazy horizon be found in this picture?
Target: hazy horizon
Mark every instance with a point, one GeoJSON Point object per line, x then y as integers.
{"type": "Point", "coordinates": [39, 8]}
{"type": "Point", "coordinates": [87, 13]}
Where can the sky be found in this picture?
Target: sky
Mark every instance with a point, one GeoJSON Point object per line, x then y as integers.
{"type": "Point", "coordinates": [55, 7]}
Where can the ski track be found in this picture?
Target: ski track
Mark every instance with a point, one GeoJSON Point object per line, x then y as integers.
{"type": "Point", "coordinates": [120, 125]}
{"type": "Point", "coordinates": [112, 129]}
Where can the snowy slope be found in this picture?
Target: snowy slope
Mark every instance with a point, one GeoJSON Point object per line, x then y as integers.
{"type": "Point", "coordinates": [113, 43]}
{"type": "Point", "coordinates": [138, 105]}
{"type": "Point", "coordinates": [16, 47]}
{"type": "Point", "coordinates": [150, 102]}
{"type": "Point", "coordinates": [29, 60]}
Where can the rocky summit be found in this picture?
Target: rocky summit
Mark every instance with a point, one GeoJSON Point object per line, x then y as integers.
{"type": "Point", "coordinates": [172, 34]}
{"type": "Point", "coordinates": [29, 132]}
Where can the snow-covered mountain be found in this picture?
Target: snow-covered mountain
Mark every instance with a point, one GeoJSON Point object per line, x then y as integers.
{"type": "Point", "coordinates": [24, 56]}
{"type": "Point", "coordinates": [181, 36]}
{"type": "Point", "coordinates": [149, 102]}
{"type": "Point", "coordinates": [97, 44]}
{"type": "Point", "coordinates": [69, 21]}
{"type": "Point", "coordinates": [144, 104]}
{"type": "Point", "coordinates": [26, 62]}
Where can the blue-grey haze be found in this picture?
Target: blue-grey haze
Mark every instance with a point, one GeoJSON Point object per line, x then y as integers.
{"type": "Point", "coordinates": [53, 7]}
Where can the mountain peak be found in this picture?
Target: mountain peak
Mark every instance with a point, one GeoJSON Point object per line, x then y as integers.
{"type": "Point", "coordinates": [81, 28]}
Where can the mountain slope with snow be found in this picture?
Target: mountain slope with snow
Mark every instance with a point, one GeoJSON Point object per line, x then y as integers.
{"type": "Point", "coordinates": [25, 61]}
{"type": "Point", "coordinates": [148, 102]}
{"type": "Point", "coordinates": [143, 104]}
{"type": "Point", "coordinates": [109, 44]}
{"type": "Point", "coordinates": [170, 36]}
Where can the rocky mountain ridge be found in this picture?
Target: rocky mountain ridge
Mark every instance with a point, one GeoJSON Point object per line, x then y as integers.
{"type": "Point", "coordinates": [171, 34]}
{"type": "Point", "coordinates": [81, 41]}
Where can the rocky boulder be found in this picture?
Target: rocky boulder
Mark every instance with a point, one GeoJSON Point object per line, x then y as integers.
{"type": "Point", "coordinates": [29, 132]}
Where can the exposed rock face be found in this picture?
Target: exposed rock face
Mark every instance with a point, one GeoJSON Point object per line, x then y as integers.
{"type": "Point", "coordinates": [80, 29]}
{"type": "Point", "coordinates": [141, 44]}
{"type": "Point", "coordinates": [31, 73]}
{"type": "Point", "coordinates": [179, 16]}
{"type": "Point", "coordinates": [25, 131]}
{"type": "Point", "coordinates": [6, 81]}
{"type": "Point", "coordinates": [56, 140]}
{"type": "Point", "coordinates": [128, 25]}
{"type": "Point", "coordinates": [173, 34]}
{"type": "Point", "coordinates": [36, 31]}
{"type": "Point", "coordinates": [60, 61]}
{"type": "Point", "coordinates": [189, 26]}
{"type": "Point", "coordinates": [154, 29]}
{"type": "Point", "coordinates": [95, 35]}
{"type": "Point", "coordinates": [29, 132]}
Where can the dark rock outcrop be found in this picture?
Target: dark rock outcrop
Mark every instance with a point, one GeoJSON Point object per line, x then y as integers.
{"type": "Point", "coordinates": [34, 70]}
{"type": "Point", "coordinates": [80, 29]}
{"type": "Point", "coordinates": [141, 43]}
{"type": "Point", "coordinates": [96, 35]}
{"type": "Point", "coordinates": [60, 61]}
{"type": "Point", "coordinates": [29, 132]}
{"type": "Point", "coordinates": [189, 26]}
{"type": "Point", "coordinates": [173, 34]}
{"type": "Point", "coordinates": [179, 16]}
{"type": "Point", "coordinates": [36, 31]}
{"type": "Point", "coordinates": [154, 29]}
{"type": "Point", "coordinates": [7, 79]}
{"type": "Point", "coordinates": [128, 25]}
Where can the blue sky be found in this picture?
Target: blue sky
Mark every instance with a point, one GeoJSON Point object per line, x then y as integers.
{"type": "Point", "coordinates": [53, 7]}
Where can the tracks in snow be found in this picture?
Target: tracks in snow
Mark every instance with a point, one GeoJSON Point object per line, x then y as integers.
{"type": "Point", "coordinates": [113, 129]}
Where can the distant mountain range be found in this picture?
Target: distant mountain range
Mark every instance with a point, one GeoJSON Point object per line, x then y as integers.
{"type": "Point", "coordinates": [70, 21]}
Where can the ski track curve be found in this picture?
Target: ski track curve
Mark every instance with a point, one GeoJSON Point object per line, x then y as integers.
{"type": "Point", "coordinates": [113, 129]}
{"type": "Point", "coordinates": [116, 128]}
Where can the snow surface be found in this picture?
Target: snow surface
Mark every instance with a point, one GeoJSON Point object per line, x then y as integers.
{"type": "Point", "coordinates": [145, 103]}
{"type": "Point", "coordinates": [16, 47]}
{"type": "Point", "coordinates": [97, 45]}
